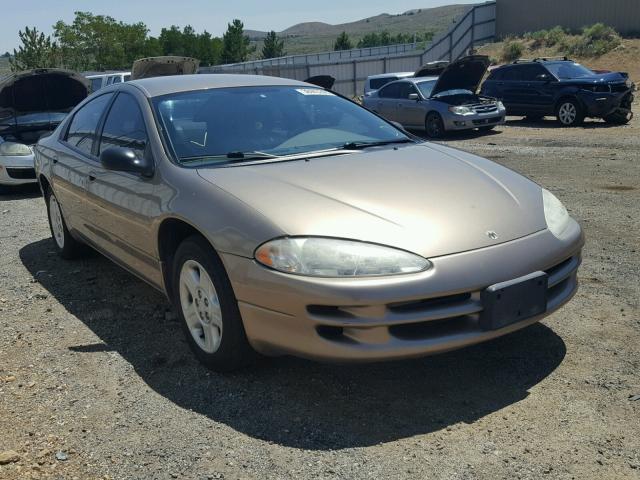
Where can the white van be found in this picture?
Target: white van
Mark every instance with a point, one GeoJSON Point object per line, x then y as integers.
{"type": "Point", "coordinates": [103, 79]}
{"type": "Point", "coordinates": [376, 82]}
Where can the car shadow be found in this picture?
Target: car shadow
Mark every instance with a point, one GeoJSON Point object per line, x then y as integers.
{"type": "Point", "coordinates": [19, 192]}
{"type": "Point", "coordinates": [457, 136]}
{"type": "Point", "coordinates": [288, 401]}
{"type": "Point", "coordinates": [550, 122]}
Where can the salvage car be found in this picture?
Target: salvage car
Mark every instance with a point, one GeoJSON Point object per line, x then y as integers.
{"type": "Point", "coordinates": [561, 88]}
{"type": "Point", "coordinates": [32, 104]}
{"type": "Point", "coordinates": [281, 218]}
{"type": "Point", "coordinates": [440, 104]}
{"type": "Point", "coordinates": [376, 82]}
{"type": "Point", "coordinates": [163, 66]}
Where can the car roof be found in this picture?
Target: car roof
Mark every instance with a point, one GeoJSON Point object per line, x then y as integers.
{"type": "Point", "coordinates": [157, 86]}
{"type": "Point", "coordinates": [391, 74]}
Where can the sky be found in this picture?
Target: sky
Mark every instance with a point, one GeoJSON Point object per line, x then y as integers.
{"type": "Point", "coordinates": [212, 15]}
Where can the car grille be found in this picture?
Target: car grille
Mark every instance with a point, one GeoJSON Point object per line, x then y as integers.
{"type": "Point", "coordinates": [22, 173]}
{"type": "Point", "coordinates": [484, 108]}
{"type": "Point", "coordinates": [431, 318]}
{"type": "Point", "coordinates": [619, 87]}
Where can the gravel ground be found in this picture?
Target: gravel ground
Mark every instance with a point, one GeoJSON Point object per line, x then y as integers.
{"type": "Point", "coordinates": [97, 382]}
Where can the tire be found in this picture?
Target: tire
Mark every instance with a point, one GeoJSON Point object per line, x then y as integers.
{"type": "Point", "coordinates": [487, 129]}
{"type": "Point", "coordinates": [434, 125]}
{"type": "Point", "coordinates": [569, 112]}
{"type": "Point", "coordinates": [207, 307]}
{"type": "Point", "coordinates": [66, 246]}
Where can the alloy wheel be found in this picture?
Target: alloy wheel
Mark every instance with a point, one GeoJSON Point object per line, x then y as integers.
{"type": "Point", "coordinates": [200, 306]}
{"type": "Point", "coordinates": [567, 113]}
{"type": "Point", "coordinates": [57, 225]}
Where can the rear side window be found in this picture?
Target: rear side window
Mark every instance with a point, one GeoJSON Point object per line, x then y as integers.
{"type": "Point", "coordinates": [529, 73]}
{"type": "Point", "coordinates": [390, 91]}
{"type": "Point", "coordinates": [96, 84]}
{"type": "Point", "coordinates": [82, 129]}
{"type": "Point", "coordinates": [511, 74]}
{"type": "Point", "coordinates": [117, 80]}
{"type": "Point", "coordinates": [124, 126]}
{"type": "Point", "coordinates": [378, 83]}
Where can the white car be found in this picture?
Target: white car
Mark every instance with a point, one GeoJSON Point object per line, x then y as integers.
{"type": "Point", "coordinates": [101, 80]}
{"type": "Point", "coordinates": [376, 82]}
{"type": "Point", "coordinates": [32, 104]}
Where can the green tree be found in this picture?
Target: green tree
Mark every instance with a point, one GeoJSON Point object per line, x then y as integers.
{"type": "Point", "coordinates": [152, 47]}
{"type": "Point", "coordinates": [172, 41]}
{"type": "Point", "coordinates": [343, 42]}
{"type": "Point", "coordinates": [36, 51]}
{"type": "Point", "coordinates": [273, 47]}
{"type": "Point", "coordinates": [99, 42]}
{"type": "Point", "coordinates": [236, 47]}
{"type": "Point", "coordinates": [6, 55]}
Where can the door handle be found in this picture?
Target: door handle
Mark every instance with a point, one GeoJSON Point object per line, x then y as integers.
{"type": "Point", "coordinates": [92, 176]}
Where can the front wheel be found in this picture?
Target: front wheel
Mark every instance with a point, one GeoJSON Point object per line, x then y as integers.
{"type": "Point", "coordinates": [206, 304]}
{"type": "Point", "coordinates": [434, 125]}
{"type": "Point", "coordinates": [569, 113]}
{"type": "Point", "coordinates": [67, 246]}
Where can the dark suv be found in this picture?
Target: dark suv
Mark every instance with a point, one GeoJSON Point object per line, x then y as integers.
{"type": "Point", "coordinates": [568, 90]}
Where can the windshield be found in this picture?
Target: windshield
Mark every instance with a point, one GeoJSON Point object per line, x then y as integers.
{"type": "Point", "coordinates": [212, 126]}
{"type": "Point", "coordinates": [568, 70]}
{"type": "Point", "coordinates": [426, 87]}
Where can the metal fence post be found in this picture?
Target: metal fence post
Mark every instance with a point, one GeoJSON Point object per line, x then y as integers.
{"type": "Point", "coordinates": [355, 78]}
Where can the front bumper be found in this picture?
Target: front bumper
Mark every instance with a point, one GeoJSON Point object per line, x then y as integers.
{"type": "Point", "coordinates": [17, 170]}
{"type": "Point", "coordinates": [598, 104]}
{"type": "Point", "coordinates": [396, 317]}
{"type": "Point", "coordinates": [453, 122]}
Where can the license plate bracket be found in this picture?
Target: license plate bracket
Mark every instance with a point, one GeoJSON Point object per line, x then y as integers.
{"type": "Point", "coordinates": [513, 301]}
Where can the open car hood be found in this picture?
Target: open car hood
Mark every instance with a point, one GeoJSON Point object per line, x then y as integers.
{"type": "Point", "coordinates": [163, 66]}
{"type": "Point", "coordinates": [34, 102]}
{"type": "Point", "coordinates": [463, 74]}
{"type": "Point", "coordinates": [324, 81]}
{"type": "Point", "coordinates": [432, 69]}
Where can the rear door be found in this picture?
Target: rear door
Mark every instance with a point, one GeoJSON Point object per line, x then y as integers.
{"type": "Point", "coordinates": [122, 205]}
{"type": "Point", "coordinates": [73, 159]}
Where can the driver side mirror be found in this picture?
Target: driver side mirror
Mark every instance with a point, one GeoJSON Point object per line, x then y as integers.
{"type": "Point", "coordinates": [122, 159]}
{"type": "Point", "coordinates": [414, 96]}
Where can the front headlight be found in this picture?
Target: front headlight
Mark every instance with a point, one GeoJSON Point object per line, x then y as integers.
{"type": "Point", "coordinates": [460, 110]}
{"type": "Point", "coordinates": [555, 214]}
{"type": "Point", "coordinates": [500, 105]}
{"type": "Point", "coordinates": [14, 149]}
{"type": "Point", "coordinates": [329, 257]}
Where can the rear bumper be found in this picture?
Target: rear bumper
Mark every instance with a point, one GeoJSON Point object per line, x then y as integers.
{"type": "Point", "coordinates": [18, 170]}
{"type": "Point", "coordinates": [396, 317]}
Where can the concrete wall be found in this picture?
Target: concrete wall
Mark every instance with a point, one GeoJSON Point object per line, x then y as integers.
{"type": "Point", "coordinates": [515, 17]}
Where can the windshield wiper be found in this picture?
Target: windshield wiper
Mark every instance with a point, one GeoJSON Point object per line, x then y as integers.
{"type": "Point", "coordinates": [230, 157]}
{"type": "Point", "coordinates": [361, 145]}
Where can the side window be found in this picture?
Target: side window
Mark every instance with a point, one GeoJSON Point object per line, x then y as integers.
{"type": "Point", "coordinates": [127, 78]}
{"type": "Point", "coordinates": [405, 89]}
{"type": "Point", "coordinates": [124, 126]}
{"type": "Point", "coordinates": [496, 75]}
{"type": "Point", "coordinates": [96, 84]}
{"type": "Point", "coordinates": [511, 74]}
{"type": "Point", "coordinates": [390, 91]}
{"type": "Point", "coordinates": [378, 83]}
{"type": "Point", "coordinates": [82, 129]}
{"type": "Point", "coordinates": [528, 73]}
{"type": "Point", "coordinates": [117, 79]}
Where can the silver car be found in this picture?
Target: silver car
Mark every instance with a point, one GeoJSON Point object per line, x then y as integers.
{"type": "Point", "coordinates": [281, 218]}
{"type": "Point", "coordinates": [440, 104]}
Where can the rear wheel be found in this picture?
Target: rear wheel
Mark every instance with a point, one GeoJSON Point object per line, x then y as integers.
{"type": "Point", "coordinates": [67, 246]}
{"type": "Point", "coordinates": [569, 112]}
{"type": "Point", "coordinates": [206, 304]}
{"type": "Point", "coordinates": [434, 125]}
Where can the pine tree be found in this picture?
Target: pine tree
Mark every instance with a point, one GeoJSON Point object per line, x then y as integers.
{"type": "Point", "coordinates": [273, 47]}
{"type": "Point", "coordinates": [343, 42]}
{"type": "Point", "coordinates": [36, 51]}
{"type": "Point", "coordinates": [235, 45]}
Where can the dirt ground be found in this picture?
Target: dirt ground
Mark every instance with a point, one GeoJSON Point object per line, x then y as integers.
{"type": "Point", "coordinates": [96, 380]}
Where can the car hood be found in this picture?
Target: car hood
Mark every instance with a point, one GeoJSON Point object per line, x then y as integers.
{"type": "Point", "coordinates": [424, 198]}
{"type": "Point", "coordinates": [34, 102]}
{"type": "Point", "coordinates": [463, 74]}
{"type": "Point", "coordinates": [163, 66]}
{"type": "Point", "coordinates": [611, 77]}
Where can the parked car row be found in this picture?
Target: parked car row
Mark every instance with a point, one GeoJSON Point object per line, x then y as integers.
{"type": "Point", "coordinates": [530, 88]}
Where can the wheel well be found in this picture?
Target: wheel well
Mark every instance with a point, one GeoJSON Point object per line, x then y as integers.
{"type": "Point", "coordinates": [171, 234]}
{"type": "Point", "coordinates": [44, 185]}
{"type": "Point", "coordinates": [568, 97]}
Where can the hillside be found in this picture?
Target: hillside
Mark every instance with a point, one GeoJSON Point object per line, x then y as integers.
{"type": "Point", "coordinates": [311, 37]}
{"type": "Point", "coordinates": [624, 58]}
{"type": "Point", "coordinates": [4, 65]}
